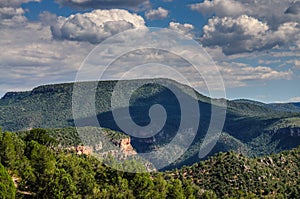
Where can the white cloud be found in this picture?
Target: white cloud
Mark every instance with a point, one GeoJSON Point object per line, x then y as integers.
{"type": "Point", "coordinates": [280, 17]}
{"type": "Point", "coordinates": [159, 13]}
{"type": "Point", "coordinates": [294, 8]}
{"type": "Point", "coordinates": [247, 34]}
{"type": "Point", "coordinates": [95, 26]}
{"type": "Point", "coordinates": [10, 16]}
{"type": "Point", "coordinates": [296, 64]}
{"type": "Point", "coordinates": [15, 3]}
{"type": "Point", "coordinates": [185, 29]}
{"type": "Point", "coordinates": [48, 18]}
{"type": "Point", "coordinates": [294, 99]}
{"type": "Point", "coordinates": [239, 74]}
{"type": "Point", "coordinates": [268, 62]}
{"type": "Point", "coordinates": [9, 12]}
{"type": "Point", "coordinates": [28, 61]}
{"type": "Point", "coordinates": [104, 4]}
{"type": "Point", "coordinates": [220, 7]}
{"type": "Point", "coordinates": [270, 11]}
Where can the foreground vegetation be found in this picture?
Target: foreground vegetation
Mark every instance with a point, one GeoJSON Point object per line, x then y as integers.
{"type": "Point", "coordinates": [41, 170]}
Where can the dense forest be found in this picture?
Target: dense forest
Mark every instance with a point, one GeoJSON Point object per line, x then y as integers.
{"type": "Point", "coordinates": [40, 170]}
{"type": "Point", "coordinates": [32, 166]}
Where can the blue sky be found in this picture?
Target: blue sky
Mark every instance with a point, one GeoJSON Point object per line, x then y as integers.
{"type": "Point", "coordinates": [256, 45]}
{"type": "Point", "coordinates": [36, 8]}
{"type": "Point", "coordinates": [179, 12]}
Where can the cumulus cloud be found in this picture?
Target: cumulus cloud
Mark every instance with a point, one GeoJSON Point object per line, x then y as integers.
{"type": "Point", "coordinates": [220, 7]}
{"type": "Point", "coordinates": [28, 61]}
{"type": "Point", "coordinates": [47, 18]}
{"type": "Point", "coordinates": [248, 25]}
{"type": "Point", "coordinates": [271, 11]}
{"type": "Point", "coordinates": [104, 4]}
{"type": "Point", "coordinates": [95, 26]}
{"type": "Point", "coordinates": [10, 16]}
{"type": "Point", "coordinates": [15, 3]}
{"type": "Point", "coordinates": [11, 13]}
{"type": "Point", "coordinates": [185, 29]}
{"type": "Point", "coordinates": [156, 14]}
{"type": "Point", "coordinates": [247, 34]}
{"type": "Point", "coordinates": [240, 74]}
{"type": "Point", "coordinates": [294, 9]}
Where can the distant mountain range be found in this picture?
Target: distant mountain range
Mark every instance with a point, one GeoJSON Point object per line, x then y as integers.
{"type": "Point", "coordinates": [285, 107]}
{"type": "Point", "coordinates": [251, 128]}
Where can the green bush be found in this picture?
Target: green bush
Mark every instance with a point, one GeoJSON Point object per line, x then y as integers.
{"type": "Point", "coordinates": [7, 187]}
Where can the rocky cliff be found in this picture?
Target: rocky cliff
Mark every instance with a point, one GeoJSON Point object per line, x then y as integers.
{"type": "Point", "coordinates": [123, 145]}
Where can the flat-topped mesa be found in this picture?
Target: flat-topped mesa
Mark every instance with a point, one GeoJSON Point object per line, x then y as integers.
{"type": "Point", "coordinates": [15, 95]}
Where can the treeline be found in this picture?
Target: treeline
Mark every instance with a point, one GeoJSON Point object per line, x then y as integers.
{"type": "Point", "coordinates": [234, 175]}
{"type": "Point", "coordinates": [40, 170]}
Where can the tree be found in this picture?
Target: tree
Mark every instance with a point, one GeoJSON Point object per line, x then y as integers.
{"type": "Point", "coordinates": [7, 187]}
{"type": "Point", "coordinates": [175, 190]}
{"type": "Point", "coordinates": [142, 186]}
{"type": "Point", "coordinates": [61, 186]}
{"type": "Point", "coordinates": [160, 187]}
{"type": "Point", "coordinates": [42, 161]}
{"type": "Point", "coordinates": [209, 195]}
{"type": "Point", "coordinates": [190, 190]}
{"type": "Point", "coordinates": [7, 150]}
{"type": "Point", "coordinates": [40, 136]}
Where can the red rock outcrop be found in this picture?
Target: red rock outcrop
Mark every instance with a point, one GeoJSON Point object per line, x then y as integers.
{"type": "Point", "coordinates": [126, 147]}
{"type": "Point", "coordinates": [86, 150]}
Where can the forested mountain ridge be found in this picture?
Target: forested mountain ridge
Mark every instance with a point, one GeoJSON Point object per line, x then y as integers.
{"type": "Point", "coordinates": [284, 107]}
{"type": "Point", "coordinates": [232, 175]}
{"type": "Point", "coordinates": [250, 129]}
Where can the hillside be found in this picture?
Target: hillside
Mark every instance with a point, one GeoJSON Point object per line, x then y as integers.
{"type": "Point", "coordinates": [250, 129]}
{"type": "Point", "coordinates": [233, 175]}
{"type": "Point", "coordinates": [283, 107]}
{"type": "Point", "coordinates": [34, 167]}
{"type": "Point", "coordinates": [41, 170]}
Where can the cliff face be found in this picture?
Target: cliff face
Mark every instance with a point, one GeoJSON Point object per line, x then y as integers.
{"type": "Point", "coordinates": [86, 150]}
{"type": "Point", "coordinates": [124, 146]}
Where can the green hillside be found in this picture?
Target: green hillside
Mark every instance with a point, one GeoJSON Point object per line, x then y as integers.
{"type": "Point", "coordinates": [40, 169]}
{"type": "Point", "coordinates": [250, 129]}
{"type": "Point", "coordinates": [283, 107]}
{"type": "Point", "coordinates": [236, 176]}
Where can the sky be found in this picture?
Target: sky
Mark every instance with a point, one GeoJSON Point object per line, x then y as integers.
{"type": "Point", "coordinates": [254, 44]}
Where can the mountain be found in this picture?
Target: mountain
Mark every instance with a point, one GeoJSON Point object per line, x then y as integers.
{"type": "Point", "coordinates": [284, 107]}
{"type": "Point", "coordinates": [250, 128]}
{"type": "Point", "coordinates": [292, 107]}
